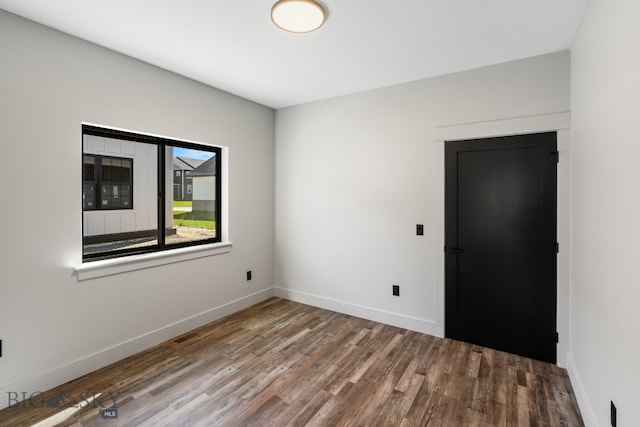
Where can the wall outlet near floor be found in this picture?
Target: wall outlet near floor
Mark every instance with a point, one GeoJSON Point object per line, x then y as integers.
{"type": "Point", "coordinates": [396, 290]}
{"type": "Point", "coordinates": [249, 275]}
{"type": "Point", "coordinates": [614, 415]}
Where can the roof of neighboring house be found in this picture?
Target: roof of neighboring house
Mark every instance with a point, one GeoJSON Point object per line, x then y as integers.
{"type": "Point", "coordinates": [185, 163]}
{"type": "Point", "coordinates": [207, 168]}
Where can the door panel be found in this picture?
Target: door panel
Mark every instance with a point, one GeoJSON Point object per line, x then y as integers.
{"type": "Point", "coordinates": [501, 238]}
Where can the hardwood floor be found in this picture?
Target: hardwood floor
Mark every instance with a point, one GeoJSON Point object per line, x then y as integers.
{"type": "Point", "coordinates": [281, 363]}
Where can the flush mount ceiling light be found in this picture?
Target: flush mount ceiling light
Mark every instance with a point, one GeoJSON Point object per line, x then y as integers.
{"type": "Point", "coordinates": [298, 16]}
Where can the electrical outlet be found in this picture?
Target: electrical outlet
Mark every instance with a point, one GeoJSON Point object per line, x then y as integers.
{"type": "Point", "coordinates": [419, 230]}
{"type": "Point", "coordinates": [614, 415]}
{"type": "Point", "coordinates": [396, 290]}
{"type": "Point", "coordinates": [249, 275]}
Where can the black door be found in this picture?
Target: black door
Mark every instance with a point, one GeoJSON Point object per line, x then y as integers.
{"type": "Point", "coordinates": [500, 243]}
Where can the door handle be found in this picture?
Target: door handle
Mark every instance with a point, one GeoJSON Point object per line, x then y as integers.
{"type": "Point", "coordinates": [453, 250]}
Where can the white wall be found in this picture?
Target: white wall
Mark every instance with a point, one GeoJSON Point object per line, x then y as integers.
{"type": "Point", "coordinates": [605, 268]}
{"type": "Point", "coordinates": [53, 326]}
{"type": "Point", "coordinates": [354, 175]}
{"type": "Point", "coordinates": [204, 188]}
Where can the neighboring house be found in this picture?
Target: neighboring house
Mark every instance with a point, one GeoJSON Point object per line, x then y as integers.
{"type": "Point", "coordinates": [204, 186]}
{"type": "Point", "coordinates": [115, 190]}
{"type": "Point", "coordinates": [182, 185]}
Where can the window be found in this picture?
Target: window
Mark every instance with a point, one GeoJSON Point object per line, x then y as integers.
{"type": "Point", "coordinates": [131, 200]}
{"type": "Point", "coordinates": [107, 182]}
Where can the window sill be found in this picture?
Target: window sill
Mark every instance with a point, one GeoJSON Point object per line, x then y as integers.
{"type": "Point", "coordinates": [108, 267]}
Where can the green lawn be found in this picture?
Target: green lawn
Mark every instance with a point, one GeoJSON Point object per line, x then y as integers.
{"type": "Point", "coordinates": [194, 219]}
{"type": "Point", "coordinates": [182, 203]}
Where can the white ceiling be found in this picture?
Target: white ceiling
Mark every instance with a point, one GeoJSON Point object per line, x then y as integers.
{"type": "Point", "coordinates": [365, 44]}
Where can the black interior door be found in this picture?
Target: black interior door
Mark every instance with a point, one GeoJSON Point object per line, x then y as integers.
{"type": "Point", "coordinates": [500, 243]}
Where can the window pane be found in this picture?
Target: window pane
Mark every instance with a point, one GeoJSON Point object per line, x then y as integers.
{"type": "Point", "coordinates": [88, 182]}
{"type": "Point", "coordinates": [89, 167]}
{"type": "Point", "coordinates": [125, 211]}
{"type": "Point", "coordinates": [191, 214]}
{"type": "Point", "coordinates": [88, 196]}
{"type": "Point", "coordinates": [116, 170]}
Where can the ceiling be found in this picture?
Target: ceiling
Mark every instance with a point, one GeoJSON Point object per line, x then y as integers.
{"type": "Point", "coordinates": [365, 44]}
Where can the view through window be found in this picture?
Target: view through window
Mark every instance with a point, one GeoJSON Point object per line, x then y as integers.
{"type": "Point", "coordinates": [144, 193]}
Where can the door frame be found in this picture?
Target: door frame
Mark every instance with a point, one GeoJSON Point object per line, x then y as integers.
{"type": "Point", "coordinates": [556, 122]}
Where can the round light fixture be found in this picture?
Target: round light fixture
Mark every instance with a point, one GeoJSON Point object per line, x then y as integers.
{"type": "Point", "coordinates": [298, 16]}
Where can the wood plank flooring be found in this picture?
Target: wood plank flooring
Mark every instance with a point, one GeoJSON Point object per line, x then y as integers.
{"type": "Point", "coordinates": [281, 363]}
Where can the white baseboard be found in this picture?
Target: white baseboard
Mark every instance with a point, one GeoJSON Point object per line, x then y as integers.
{"type": "Point", "coordinates": [55, 377]}
{"type": "Point", "coordinates": [395, 319]}
{"type": "Point", "coordinates": [581, 395]}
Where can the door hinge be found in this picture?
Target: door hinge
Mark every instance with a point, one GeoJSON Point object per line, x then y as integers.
{"type": "Point", "coordinates": [557, 155]}
{"type": "Point", "coordinates": [557, 247]}
{"type": "Point", "coordinates": [557, 338]}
